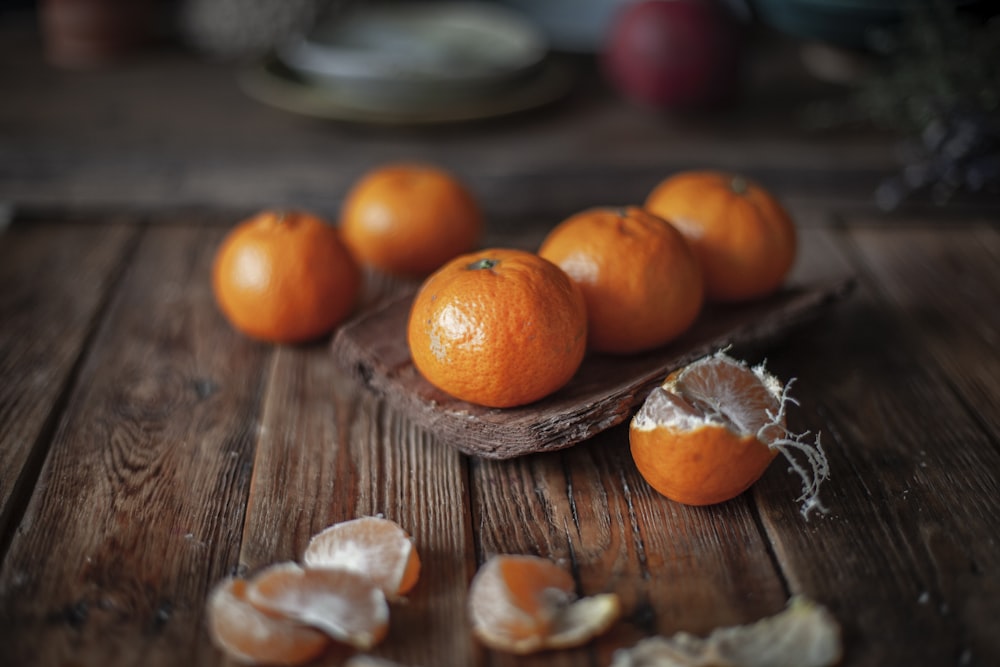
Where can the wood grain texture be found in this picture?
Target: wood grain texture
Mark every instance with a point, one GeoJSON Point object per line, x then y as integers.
{"type": "Point", "coordinates": [907, 559]}
{"type": "Point", "coordinates": [674, 567]}
{"type": "Point", "coordinates": [182, 452]}
{"type": "Point", "coordinates": [140, 504]}
{"type": "Point", "coordinates": [937, 281]}
{"type": "Point", "coordinates": [46, 323]}
{"type": "Point", "coordinates": [603, 393]}
{"type": "Point", "coordinates": [330, 453]}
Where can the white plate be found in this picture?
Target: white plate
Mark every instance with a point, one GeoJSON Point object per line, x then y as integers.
{"type": "Point", "coordinates": [393, 51]}
{"type": "Point", "coordinates": [275, 84]}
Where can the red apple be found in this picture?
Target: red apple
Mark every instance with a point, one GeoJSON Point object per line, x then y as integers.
{"type": "Point", "coordinates": [674, 54]}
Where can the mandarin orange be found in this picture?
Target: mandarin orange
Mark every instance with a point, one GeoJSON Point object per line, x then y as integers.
{"type": "Point", "coordinates": [712, 429]}
{"type": "Point", "coordinates": [408, 219]}
{"type": "Point", "coordinates": [640, 279]}
{"type": "Point", "coordinates": [745, 239]}
{"type": "Point", "coordinates": [285, 277]}
{"type": "Point", "coordinates": [499, 328]}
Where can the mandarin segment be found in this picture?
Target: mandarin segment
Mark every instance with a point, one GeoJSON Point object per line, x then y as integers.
{"type": "Point", "coordinates": [640, 279]}
{"type": "Point", "coordinates": [745, 239]}
{"type": "Point", "coordinates": [499, 328]}
{"type": "Point", "coordinates": [523, 604]}
{"type": "Point", "coordinates": [496, 620]}
{"type": "Point", "coordinates": [250, 636]}
{"type": "Point", "coordinates": [374, 546]}
{"type": "Point", "coordinates": [285, 277]}
{"type": "Point", "coordinates": [535, 586]}
{"type": "Point", "coordinates": [408, 219]}
{"type": "Point", "coordinates": [712, 429]}
{"type": "Point", "coordinates": [724, 388]}
{"type": "Point", "coordinates": [344, 604]}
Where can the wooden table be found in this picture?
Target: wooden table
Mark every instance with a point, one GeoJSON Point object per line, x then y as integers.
{"type": "Point", "coordinates": [147, 450]}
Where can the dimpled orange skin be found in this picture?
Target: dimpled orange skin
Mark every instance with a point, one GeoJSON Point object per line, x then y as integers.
{"type": "Point", "coordinates": [409, 219]}
{"type": "Point", "coordinates": [498, 328]}
{"type": "Point", "coordinates": [745, 239]}
{"type": "Point", "coordinates": [703, 467]}
{"type": "Point", "coordinates": [641, 280]}
{"type": "Point", "coordinates": [709, 463]}
{"type": "Point", "coordinates": [285, 277]}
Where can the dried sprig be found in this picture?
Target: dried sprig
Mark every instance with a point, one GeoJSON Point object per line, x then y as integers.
{"type": "Point", "coordinates": [939, 86]}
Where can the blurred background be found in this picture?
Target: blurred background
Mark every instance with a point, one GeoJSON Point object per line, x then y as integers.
{"type": "Point", "coordinates": [542, 106]}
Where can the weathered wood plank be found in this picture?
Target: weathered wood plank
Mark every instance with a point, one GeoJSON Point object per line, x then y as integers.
{"type": "Point", "coordinates": [675, 567]}
{"type": "Point", "coordinates": [329, 452]}
{"type": "Point", "coordinates": [938, 280]}
{"type": "Point", "coordinates": [140, 505]}
{"type": "Point", "coordinates": [907, 559]}
{"type": "Point", "coordinates": [45, 321]}
{"type": "Point", "coordinates": [602, 394]}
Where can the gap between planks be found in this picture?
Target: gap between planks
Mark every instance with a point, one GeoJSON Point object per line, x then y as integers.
{"type": "Point", "coordinates": [122, 237]}
{"type": "Point", "coordinates": [904, 560]}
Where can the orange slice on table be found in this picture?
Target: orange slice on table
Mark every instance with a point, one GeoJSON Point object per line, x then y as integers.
{"type": "Point", "coordinates": [342, 603]}
{"type": "Point", "coordinates": [249, 635]}
{"type": "Point", "coordinates": [523, 604]}
{"type": "Point", "coordinates": [374, 546]}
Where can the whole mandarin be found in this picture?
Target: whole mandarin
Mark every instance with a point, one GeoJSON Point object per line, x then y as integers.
{"type": "Point", "coordinates": [408, 219]}
{"type": "Point", "coordinates": [745, 239]}
{"type": "Point", "coordinates": [498, 328]}
{"type": "Point", "coordinates": [640, 279]}
{"type": "Point", "coordinates": [285, 277]}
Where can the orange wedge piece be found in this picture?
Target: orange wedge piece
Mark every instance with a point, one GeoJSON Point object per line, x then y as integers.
{"type": "Point", "coordinates": [342, 603]}
{"type": "Point", "coordinates": [523, 604]}
{"type": "Point", "coordinates": [248, 635]}
{"type": "Point", "coordinates": [374, 546]}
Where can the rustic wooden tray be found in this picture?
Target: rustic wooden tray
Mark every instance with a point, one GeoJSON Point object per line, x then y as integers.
{"type": "Point", "coordinates": [605, 391]}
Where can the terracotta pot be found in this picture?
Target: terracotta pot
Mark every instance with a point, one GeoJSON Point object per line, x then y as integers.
{"type": "Point", "coordinates": [89, 33]}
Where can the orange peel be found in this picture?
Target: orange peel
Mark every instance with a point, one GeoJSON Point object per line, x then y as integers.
{"type": "Point", "coordinates": [804, 634]}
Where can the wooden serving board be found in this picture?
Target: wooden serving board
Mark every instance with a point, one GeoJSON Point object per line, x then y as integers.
{"type": "Point", "coordinates": [604, 392]}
